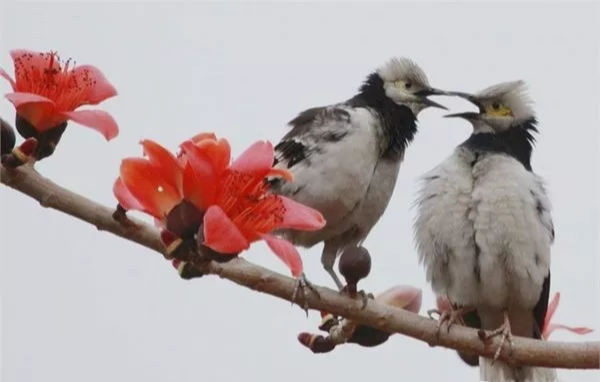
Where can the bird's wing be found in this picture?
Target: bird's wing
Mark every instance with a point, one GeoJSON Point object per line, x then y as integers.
{"type": "Point", "coordinates": [543, 208]}
{"type": "Point", "coordinates": [331, 152]}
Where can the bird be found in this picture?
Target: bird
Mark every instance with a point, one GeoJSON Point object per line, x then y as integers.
{"type": "Point", "coordinates": [483, 229]}
{"type": "Point", "coordinates": [345, 157]}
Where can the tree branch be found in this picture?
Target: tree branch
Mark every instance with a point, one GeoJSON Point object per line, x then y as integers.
{"type": "Point", "coordinates": [584, 355]}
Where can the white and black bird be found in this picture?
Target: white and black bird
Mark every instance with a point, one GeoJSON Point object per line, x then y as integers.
{"type": "Point", "coordinates": [345, 157]}
{"type": "Point", "coordinates": [484, 229]}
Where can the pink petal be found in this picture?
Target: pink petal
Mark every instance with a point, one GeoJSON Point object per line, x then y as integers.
{"type": "Point", "coordinates": [199, 178]}
{"type": "Point", "coordinates": [287, 252]}
{"type": "Point", "coordinates": [165, 161]}
{"type": "Point", "coordinates": [221, 234]}
{"type": "Point", "coordinates": [281, 173]}
{"type": "Point", "coordinates": [579, 330]}
{"type": "Point", "coordinates": [99, 89]}
{"type": "Point", "coordinates": [20, 99]}
{"type": "Point", "coordinates": [146, 184]}
{"type": "Point", "coordinates": [203, 136]}
{"type": "Point", "coordinates": [8, 78]}
{"type": "Point", "coordinates": [301, 217]}
{"type": "Point", "coordinates": [125, 198]}
{"type": "Point", "coordinates": [443, 305]}
{"type": "Point", "coordinates": [551, 309]}
{"type": "Point", "coordinates": [98, 120]}
{"type": "Point", "coordinates": [402, 296]}
{"type": "Point", "coordinates": [256, 160]}
{"type": "Point", "coordinates": [39, 60]}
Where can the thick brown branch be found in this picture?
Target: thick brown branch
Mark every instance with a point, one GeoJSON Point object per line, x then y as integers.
{"type": "Point", "coordinates": [531, 352]}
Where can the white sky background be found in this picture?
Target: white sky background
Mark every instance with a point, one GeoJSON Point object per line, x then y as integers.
{"type": "Point", "coordinates": [79, 305]}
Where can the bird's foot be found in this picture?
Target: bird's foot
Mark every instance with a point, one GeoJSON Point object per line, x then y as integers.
{"type": "Point", "coordinates": [351, 291]}
{"type": "Point", "coordinates": [506, 337]}
{"type": "Point", "coordinates": [303, 285]}
{"type": "Point", "coordinates": [449, 317]}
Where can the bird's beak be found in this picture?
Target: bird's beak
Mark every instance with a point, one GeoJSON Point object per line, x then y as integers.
{"type": "Point", "coordinates": [468, 115]}
{"type": "Point", "coordinates": [469, 97]}
{"type": "Point", "coordinates": [423, 94]}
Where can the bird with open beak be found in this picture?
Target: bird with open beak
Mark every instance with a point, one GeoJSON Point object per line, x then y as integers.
{"type": "Point", "coordinates": [484, 230]}
{"type": "Point", "coordinates": [345, 157]}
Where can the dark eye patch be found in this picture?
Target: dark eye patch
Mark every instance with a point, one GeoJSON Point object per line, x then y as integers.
{"type": "Point", "coordinates": [408, 85]}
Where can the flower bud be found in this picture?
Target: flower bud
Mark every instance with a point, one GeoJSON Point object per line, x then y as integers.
{"type": "Point", "coordinates": [355, 264]}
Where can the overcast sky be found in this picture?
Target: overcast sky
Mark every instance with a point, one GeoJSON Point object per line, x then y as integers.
{"type": "Point", "coordinates": [79, 305]}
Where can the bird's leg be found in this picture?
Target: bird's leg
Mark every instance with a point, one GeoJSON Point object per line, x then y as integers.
{"type": "Point", "coordinates": [506, 336]}
{"type": "Point", "coordinates": [335, 278]}
{"type": "Point", "coordinates": [449, 317]}
{"type": "Point", "coordinates": [328, 260]}
{"type": "Point", "coordinates": [303, 285]}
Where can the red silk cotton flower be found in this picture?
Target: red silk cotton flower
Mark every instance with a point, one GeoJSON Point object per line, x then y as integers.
{"type": "Point", "coordinates": [46, 93]}
{"type": "Point", "coordinates": [233, 198]}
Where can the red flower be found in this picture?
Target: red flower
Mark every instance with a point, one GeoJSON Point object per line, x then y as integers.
{"type": "Point", "coordinates": [241, 210]}
{"type": "Point", "coordinates": [238, 208]}
{"type": "Point", "coordinates": [46, 92]}
{"type": "Point", "coordinates": [549, 327]}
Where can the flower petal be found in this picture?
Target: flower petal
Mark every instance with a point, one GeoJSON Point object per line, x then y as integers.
{"type": "Point", "coordinates": [256, 160]}
{"type": "Point", "coordinates": [98, 87]}
{"type": "Point", "coordinates": [218, 151]}
{"type": "Point", "coordinates": [39, 60]}
{"type": "Point", "coordinates": [298, 216]}
{"type": "Point", "coordinates": [165, 161]}
{"type": "Point", "coordinates": [202, 136]}
{"type": "Point", "coordinates": [199, 178]}
{"type": "Point", "coordinates": [221, 234]}
{"type": "Point", "coordinates": [20, 99]}
{"type": "Point", "coordinates": [402, 296]}
{"type": "Point", "coordinates": [552, 327]}
{"type": "Point", "coordinates": [98, 120]}
{"type": "Point", "coordinates": [551, 309]}
{"type": "Point", "coordinates": [287, 252]}
{"type": "Point", "coordinates": [125, 198]}
{"type": "Point", "coordinates": [8, 78]}
{"type": "Point", "coordinates": [281, 173]}
{"type": "Point", "coordinates": [443, 305]}
{"type": "Point", "coordinates": [39, 111]}
{"type": "Point", "coordinates": [146, 184]}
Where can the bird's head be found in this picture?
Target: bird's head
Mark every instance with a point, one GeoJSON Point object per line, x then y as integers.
{"type": "Point", "coordinates": [406, 84]}
{"type": "Point", "coordinates": [501, 107]}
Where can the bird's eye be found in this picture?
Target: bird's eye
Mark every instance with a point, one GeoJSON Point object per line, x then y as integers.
{"type": "Point", "coordinates": [496, 106]}
{"type": "Point", "coordinates": [408, 85]}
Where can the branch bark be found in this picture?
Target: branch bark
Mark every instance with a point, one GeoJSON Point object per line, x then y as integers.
{"type": "Point", "coordinates": [584, 355]}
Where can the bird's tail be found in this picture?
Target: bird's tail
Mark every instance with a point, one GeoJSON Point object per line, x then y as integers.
{"type": "Point", "coordinates": [502, 372]}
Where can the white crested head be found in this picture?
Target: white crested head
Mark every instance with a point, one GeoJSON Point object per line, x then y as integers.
{"type": "Point", "coordinates": [402, 68]}
{"type": "Point", "coordinates": [405, 83]}
{"type": "Point", "coordinates": [508, 98]}
{"type": "Point", "coordinates": [501, 107]}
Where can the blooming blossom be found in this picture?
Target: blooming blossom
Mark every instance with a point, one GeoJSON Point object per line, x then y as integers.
{"type": "Point", "coordinates": [233, 197]}
{"type": "Point", "coordinates": [47, 92]}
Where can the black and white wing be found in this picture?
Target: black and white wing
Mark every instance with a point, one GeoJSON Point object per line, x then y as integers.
{"type": "Point", "coordinates": [332, 152]}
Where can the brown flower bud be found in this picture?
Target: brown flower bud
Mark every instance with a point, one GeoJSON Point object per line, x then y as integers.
{"type": "Point", "coordinates": [7, 138]}
{"type": "Point", "coordinates": [355, 264]}
{"type": "Point", "coordinates": [184, 219]}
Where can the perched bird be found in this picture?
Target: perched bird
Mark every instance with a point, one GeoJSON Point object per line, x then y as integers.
{"type": "Point", "coordinates": [345, 157]}
{"type": "Point", "coordinates": [483, 228]}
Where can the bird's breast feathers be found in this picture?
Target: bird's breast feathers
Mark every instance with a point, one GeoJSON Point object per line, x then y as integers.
{"type": "Point", "coordinates": [483, 229]}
